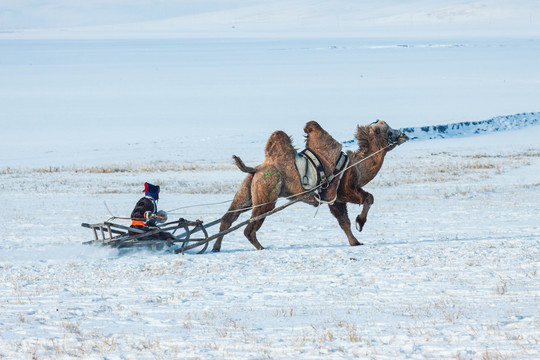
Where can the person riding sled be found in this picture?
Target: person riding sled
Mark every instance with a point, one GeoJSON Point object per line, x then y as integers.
{"type": "Point", "coordinates": [145, 216]}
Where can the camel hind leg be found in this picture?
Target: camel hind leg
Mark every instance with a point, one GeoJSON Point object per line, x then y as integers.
{"type": "Point", "coordinates": [240, 204]}
{"type": "Point", "coordinates": [265, 192]}
{"type": "Point", "coordinates": [251, 230]}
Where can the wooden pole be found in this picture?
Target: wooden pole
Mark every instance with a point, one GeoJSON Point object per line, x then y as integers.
{"type": "Point", "coordinates": [248, 221]}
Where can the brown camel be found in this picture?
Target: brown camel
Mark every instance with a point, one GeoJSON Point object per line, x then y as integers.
{"type": "Point", "coordinates": [278, 177]}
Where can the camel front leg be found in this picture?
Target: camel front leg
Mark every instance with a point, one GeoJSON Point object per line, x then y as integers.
{"type": "Point", "coordinates": [366, 204]}
{"type": "Point", "coordinates": [339, 210]}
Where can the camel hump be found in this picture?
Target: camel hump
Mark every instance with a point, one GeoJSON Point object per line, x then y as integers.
{"type": "Point", "coordinates": [312, 126]}
{"type": "Point", "coordinates": [321, 142]}
{"type": "Point", "coordinates": [279, 145]}
{"type": "Point", "coordinates": [240, 164]}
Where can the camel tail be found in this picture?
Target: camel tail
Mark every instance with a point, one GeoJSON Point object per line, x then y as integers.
{"type": "Point", "coordinates": [243, 166]}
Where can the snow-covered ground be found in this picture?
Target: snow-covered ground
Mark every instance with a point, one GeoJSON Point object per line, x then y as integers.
{"type": "Point", "coordinates": [449, 269]}
{"type": "Point", "coordinates": [98, 97]}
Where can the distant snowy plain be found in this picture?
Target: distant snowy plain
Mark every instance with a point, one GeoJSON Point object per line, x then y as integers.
{"type": "Point", "coordinates": [450, 264]}
{"type": "Point", "coordinates": [65, 102]}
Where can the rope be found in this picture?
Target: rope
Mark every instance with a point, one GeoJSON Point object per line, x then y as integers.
{"type": "Point", "coordinates": [364, 159]}
{"type": "Point", "coordinates": [198, 205]}
{"type": "Point", "coordinates": [256, 206]}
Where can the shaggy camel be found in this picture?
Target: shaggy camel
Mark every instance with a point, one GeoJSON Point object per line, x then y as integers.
{"type": "Point", "coordinates": [278, 177]}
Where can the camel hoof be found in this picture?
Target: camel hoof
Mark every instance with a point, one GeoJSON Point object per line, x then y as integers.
{"type": "Point", "coordinates": [359, 223]}
{"type": "Point", "coordinates": [216, 250]}
{"type": "Point", "coordinates": [355, 243]}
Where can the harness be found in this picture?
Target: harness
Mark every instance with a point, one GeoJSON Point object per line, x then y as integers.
{"type": "Point", "coordinates": [312, 173]}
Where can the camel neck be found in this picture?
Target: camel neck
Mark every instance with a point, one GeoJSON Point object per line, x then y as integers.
{"type": "Point", "coordinates": [368, 169]}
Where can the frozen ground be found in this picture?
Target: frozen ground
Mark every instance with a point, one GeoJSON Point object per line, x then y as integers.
{"type": "Point", "coordinates": [449, 269]}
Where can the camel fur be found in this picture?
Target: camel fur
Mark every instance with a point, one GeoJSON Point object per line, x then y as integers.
{"type": "Point", "coordinates": [278, 177]}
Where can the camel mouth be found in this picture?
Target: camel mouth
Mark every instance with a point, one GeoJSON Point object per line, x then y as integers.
{"type": "Point", "coordinates": [396, 137]}
{"type": "Point", "coordinates": [402, 138]}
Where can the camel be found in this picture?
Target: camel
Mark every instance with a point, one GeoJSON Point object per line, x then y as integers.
{"type": "Point", "coordinates": [278, 177]}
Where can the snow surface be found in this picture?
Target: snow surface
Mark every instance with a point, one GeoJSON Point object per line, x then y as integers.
{"type": "Point", "coordinates": [450, 264]}
{"type": "Point", "coordinates": [271, 18]}
{"type": "Point", "coordinates": [449, 269]}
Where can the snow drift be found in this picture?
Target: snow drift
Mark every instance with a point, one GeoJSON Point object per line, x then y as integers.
{"type": "Point", "coordinates": [468, 128]}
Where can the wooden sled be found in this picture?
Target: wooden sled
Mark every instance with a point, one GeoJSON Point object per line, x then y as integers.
{"type": "Point", "coordinates": [119, 236]}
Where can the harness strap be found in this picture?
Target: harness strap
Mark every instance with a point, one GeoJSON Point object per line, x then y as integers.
{"type": "Point", "coordinates": [324, 181]}
{"type": "Point", "coordinates": [318, 166]}
{"type": "Point", "coordinates": [341, 164]}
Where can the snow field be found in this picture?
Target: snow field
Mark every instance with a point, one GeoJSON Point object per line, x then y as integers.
{"type": "Point", "coordinates": [449, 269]}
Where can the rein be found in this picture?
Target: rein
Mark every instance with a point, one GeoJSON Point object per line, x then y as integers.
{"type": "Point", "coordinates": [335, 174]}
{"type": "Point", "coordinates": [287, 197]}
{"type": "Point", "coordinates": [364, 159]}
{"type": "Point", "coordinates": [339, 174]}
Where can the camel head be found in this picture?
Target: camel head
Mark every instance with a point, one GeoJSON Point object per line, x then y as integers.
{"type": "Point", "coordinates": [379, 135]}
